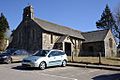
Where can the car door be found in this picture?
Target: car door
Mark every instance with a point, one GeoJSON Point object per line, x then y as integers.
{"type": "Point", "coordinates": [54, 58]}
{"type": "Point", "coordinates": [15, 57]}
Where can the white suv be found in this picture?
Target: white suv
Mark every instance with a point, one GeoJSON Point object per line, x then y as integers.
{"type": "Point", "coordinates": [45, 58]}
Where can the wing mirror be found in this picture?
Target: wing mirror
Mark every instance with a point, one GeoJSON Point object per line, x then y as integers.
{"type": "Point", "coordinates": [49, 55]}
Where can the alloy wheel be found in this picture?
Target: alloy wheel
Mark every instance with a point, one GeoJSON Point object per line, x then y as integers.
{"type": "Point", "coordinates": [9, 60]}
{"type": "Point", "coordinates": [64, 63]}
{"type": "Point", "coordinates": [42, 65]}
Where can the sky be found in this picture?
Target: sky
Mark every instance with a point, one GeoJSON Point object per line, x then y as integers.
{"type": "Point", "coordinates": [77, 14]}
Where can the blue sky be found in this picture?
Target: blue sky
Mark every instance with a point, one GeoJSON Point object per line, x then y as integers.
{"type": "Point", "coordinates": [77, 14]}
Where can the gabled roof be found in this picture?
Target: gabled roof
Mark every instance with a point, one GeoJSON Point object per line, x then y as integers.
{"type": "Point", "coordinates": [61, 39]}
{"type": "Point", "coordinates": [52, 27]}
{"type": "Point", "coordinates": [95, 36]}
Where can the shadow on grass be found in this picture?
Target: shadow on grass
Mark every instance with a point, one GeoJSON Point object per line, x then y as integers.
{"type": "Point", "coordinates": [108, 77]}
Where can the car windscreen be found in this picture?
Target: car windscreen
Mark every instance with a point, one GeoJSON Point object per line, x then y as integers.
{"type": "Point", "coordinates": [41, 53]}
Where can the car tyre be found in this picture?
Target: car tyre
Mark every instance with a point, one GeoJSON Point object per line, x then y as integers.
{"type": "Point", "coordinates": [9, 61]}
{"type": "Point", "coordinates": [42, 65]}
{"type": "Point", "coordinates": [64, 63]}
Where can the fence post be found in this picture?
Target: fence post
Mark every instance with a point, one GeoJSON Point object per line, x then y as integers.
{"type": "Point", "coordinates": [99, 57]}
{"type": "Point", "coordinates": [72, 56]}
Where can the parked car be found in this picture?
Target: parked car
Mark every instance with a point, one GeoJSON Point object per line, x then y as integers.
{"type": "Point", "coordinates": [21, 52]}
{"type": "Point", "coordinates": [9, 50]}
{"type": "Point", "coordinates": [45, 58]}
{"type": "Point", "coordinates": [9, 56]}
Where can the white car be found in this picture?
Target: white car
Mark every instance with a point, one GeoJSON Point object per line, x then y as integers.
{"type": "Point", "coordinates": [45, 58]}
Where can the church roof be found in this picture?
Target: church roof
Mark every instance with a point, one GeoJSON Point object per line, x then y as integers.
{"type": "Point", "coordinates": [52, 27]}
{"type": "Point", "coordinates": [95, 36]}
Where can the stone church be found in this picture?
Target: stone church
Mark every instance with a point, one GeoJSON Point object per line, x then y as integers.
{"type": "Point", "coordinates": [33, 34]}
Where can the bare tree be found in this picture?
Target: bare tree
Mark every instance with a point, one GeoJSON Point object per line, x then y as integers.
{"type": "Point", "coordinates": [117, 28]}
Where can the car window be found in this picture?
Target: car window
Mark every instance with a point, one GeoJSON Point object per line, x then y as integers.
{"type": "Point", "coordinates": [41, 53]}
{"type": "Point", "coordinates": [21, 52]}
{"type": "Point", "coordinates": [53, 53]}
{"type": "Point", "coordinates": [56, 53]}
{"type": "Point", "coordinates": [60, 53]}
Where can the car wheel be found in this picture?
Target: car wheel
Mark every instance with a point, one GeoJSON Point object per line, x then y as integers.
{"type": "Point", "coordinates": [9, 60]}
{"type": "Point", "coordinates": [42, 65]}
{"type": "Point", "coordinates": [64, 63]}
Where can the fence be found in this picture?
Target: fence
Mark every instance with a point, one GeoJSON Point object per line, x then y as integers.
{"type": "Point", "coordinates": [114, 61]}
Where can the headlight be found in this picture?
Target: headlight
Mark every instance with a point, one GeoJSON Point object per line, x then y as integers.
{"type": "Point", "coordinates": [35, 60]}
{"type": "Point", "coordinates": [4, 57]}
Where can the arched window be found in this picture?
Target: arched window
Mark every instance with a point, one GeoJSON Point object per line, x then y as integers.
{"type": "Point", "coordinates": [110, 43]}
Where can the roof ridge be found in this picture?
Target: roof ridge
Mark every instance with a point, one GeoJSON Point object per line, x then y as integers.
{"type": "Point", "coordinates": [95, 31]}
{"type": "Point", "coordinates": [58, 25]}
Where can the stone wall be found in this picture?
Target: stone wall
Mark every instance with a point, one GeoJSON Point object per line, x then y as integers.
{"type": "Point", "coordinates": [110, 45]}
{"type": "Point", "coordinates": [27, 36]}
{"type": "Point", "coordinates": [46, 40]}
{"type": "Point", "coordinates": [93, 49]}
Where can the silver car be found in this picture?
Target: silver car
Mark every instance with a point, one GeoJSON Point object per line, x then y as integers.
{"type": "Point", "coordinates": [45, 58]}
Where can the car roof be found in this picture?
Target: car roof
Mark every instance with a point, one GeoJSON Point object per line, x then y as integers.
{"type": "Point", "coordinates": [56, 50]}
{"type": "Point", "coordinates": [53, 50]}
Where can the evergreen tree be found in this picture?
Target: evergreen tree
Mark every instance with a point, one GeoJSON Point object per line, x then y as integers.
{"type": "Point", "coordinates": [3, 23]}
{"type": "Point", "coordinates": [107, 21]}
{"type": "Point", "coordinates": [3, 29]}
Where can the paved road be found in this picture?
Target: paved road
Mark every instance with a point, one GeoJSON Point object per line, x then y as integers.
{"type": "Point", "coordinates": [15, 72]}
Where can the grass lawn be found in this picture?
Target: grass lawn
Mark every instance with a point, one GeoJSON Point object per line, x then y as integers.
{"type": "Point", "coordinates": [95, 60]}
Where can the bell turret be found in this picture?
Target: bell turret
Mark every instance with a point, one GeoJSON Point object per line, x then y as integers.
{"type": "Point", "coordinates": [28, 13]}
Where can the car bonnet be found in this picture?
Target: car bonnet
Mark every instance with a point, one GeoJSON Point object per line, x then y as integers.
{"type": "Point", "coordinates": [32, 58]}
